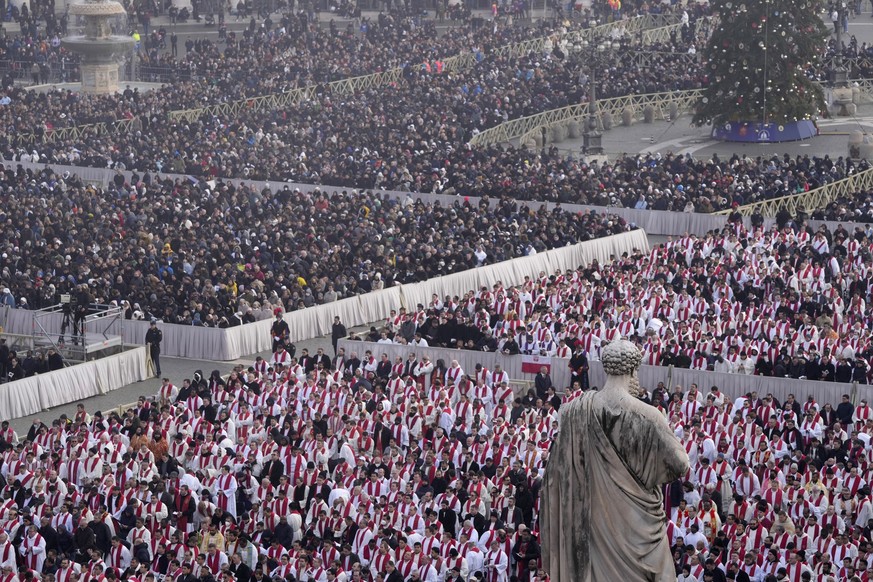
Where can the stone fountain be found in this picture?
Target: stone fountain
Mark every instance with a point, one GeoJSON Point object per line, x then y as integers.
{"type": "Point", "coordinates": [101, 40]}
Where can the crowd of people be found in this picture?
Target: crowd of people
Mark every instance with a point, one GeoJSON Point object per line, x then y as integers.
{"type": "Point", "coordinates": [223, 273]}
{"type": "Point", "coordinates": [791, 302]}
{"type": "Point", "coordinates": [349, 140]}
{"type": "Point", "coordinates": [125, 244]}
{"type": "Point", "coordinates": [381, 137]}
{"type": "Point", "coordinates": [310, 152]}
{"type": "Point", "coordinates": [265, 59]}
{"type": "Point", "coordinates": [407, 135]}
{"type": "Point", "coordinates": [320, 468]}
{"type": "Point", "coordinates": [857, 206]}
{"type": "Point", "coordinates": [346, 140]}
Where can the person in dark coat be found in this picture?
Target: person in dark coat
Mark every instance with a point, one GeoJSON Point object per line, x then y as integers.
{"type": "Point", "coordinates": [845, 411]}
{"type": "Point", "coordinates": [14, 370]}
{"type": "Point", "coordinates": [323, 359]}
{"type": "Point", "coordinates": [447, 517]}
{"type": "Point", "coordinates": [279, 331]}
{"type": "Point", "coordinates": [283, 532]}
{"type": "Point", "coordinates": [273, 469]}
{"type": "Point", "coordinates": [543, 382]}
{"type": "Point", "coordinates": [859, 371]}
{"type": "Point", "coordinates": [525, 550]}
{"type": "Point", "coordinates": [579, 367]}
{"type": "Point", "coordinates": [239, 569]}
{"type": "Point", "coordinates": [392, 574]}
{"type": "Point", "coordinates": [337, 332]}
{"type": "Point", "coordinates": [84, 540]}
{"type": "Point", "coordinates": [843, 372]}
{"type": "Point", "coordinates": [153, 339]}
{"type": "Point", "coordinates": [525, 501]}
{"type": "Point", "coordinates": [49, 534]}
{"type": "Point", "coordinates": [102, 533]}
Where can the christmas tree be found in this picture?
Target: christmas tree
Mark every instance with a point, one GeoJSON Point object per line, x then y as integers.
{"type": "Point", "coordinates": [757, 58]}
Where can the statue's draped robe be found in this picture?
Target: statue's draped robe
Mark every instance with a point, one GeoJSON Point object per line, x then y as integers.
{"type": "Point", "coordinates": [602, 509]}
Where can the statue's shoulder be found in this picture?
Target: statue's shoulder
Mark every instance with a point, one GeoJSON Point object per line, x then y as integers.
{"type": "Point", "coordinates": [583, 402]}
{"type": "Point", "coordinates": [646, 411]}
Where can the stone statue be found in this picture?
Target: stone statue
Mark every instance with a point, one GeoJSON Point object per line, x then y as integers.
{"type": "Point", "coordinates": [602, 514]}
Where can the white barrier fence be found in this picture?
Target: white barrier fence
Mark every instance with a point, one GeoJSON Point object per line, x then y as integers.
{"type": "Point", "coordinates": [43, 391]}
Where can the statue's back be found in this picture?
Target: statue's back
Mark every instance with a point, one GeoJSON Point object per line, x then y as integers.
{"type": "Point", "coordinates": [603, 483]}
{"type": "Point", "coordinates": [602, 510]}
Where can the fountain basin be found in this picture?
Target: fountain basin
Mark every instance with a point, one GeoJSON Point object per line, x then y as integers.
{"type": "Point", "coordinates": [102, 49]}
{"type": "Point", "coordinates": [101, 39]}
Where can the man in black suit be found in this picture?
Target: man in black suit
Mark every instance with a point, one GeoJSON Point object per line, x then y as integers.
{"type": "Point", "coordinates": [512, 514]}
{"type": "Point", "coordinates": [306, 362]}
{"type": "Point", "coordinates": [273, 469]}
{"type": "Point", "coordinates": [542, 382]}
{"type": "Point", "coordinates": [447, 517]}
{"type": "Point", "coordinates": [321, 489]}
{"type": "Point", "coordinates": [323, 359]}
{"type": "Point", "coordinates": [392, 575]}
{"type": "Point", "coordinates": [239, 569]}
{"type": "Point", "coordinates": [468, 465]}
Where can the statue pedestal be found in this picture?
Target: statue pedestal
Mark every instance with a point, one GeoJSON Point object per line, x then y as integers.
{"type": "Point", "coordinates": [843, 104]}
{"type": "Point", "coordinates": [99, 79]}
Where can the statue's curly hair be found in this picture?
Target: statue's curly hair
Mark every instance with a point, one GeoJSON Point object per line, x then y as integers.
{"type": "Point", "coordinates": [621, 358]}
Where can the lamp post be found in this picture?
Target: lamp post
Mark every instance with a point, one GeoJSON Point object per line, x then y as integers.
{"type": "Point", "coordinates": [839, 75]}
{"type": "Point", "coordinates": [591, 136]}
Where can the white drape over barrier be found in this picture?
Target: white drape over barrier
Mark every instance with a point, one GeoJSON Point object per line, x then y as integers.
{"type": "Point", "coordinates": [736, 385]}
{"type": "Point", "coordinates": [732, 385]}
{"type": "Point", "coordinates": [31, 395]}
{"type": "Point", "coordinates": [202, 343]}
{"type": "Point", "coordinates": [513, 272]}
